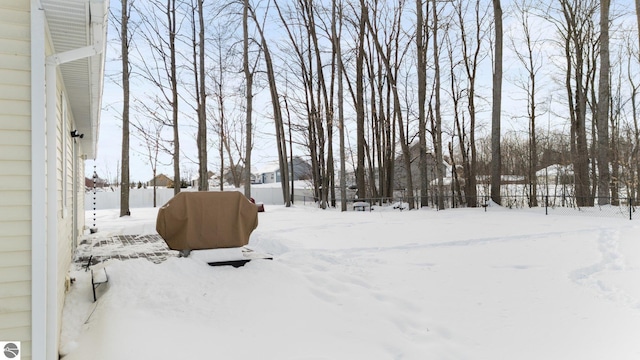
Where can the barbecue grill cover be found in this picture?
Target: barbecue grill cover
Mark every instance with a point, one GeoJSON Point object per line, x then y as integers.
{"type": "Point", "coordinates": [207, 220]}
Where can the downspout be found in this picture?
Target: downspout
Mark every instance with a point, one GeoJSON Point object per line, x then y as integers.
{"type": "Point", "coordinates": [51, 70]}
{"type": "Point", "coordinates": [38, 185]}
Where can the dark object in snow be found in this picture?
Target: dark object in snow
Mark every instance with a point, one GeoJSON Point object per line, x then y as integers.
{"type": "Point", "coordinates": [361, 206]}
{"type": "Point", "coordinates": [235, 263]}
{"type": "Point", "coordinates": [207, 220]}
{"type": "Point", "coordinates": [400, 206]}
{"type": "Point", "coordinates": [259, 205]}
{"type": "Point", "coordinates": [235, 257]}
{"type": "Point", "coordinates": [99, 276]}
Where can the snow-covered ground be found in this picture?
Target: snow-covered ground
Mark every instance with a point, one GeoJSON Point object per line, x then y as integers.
{"type": "Point", "coordinates": [454, 284]}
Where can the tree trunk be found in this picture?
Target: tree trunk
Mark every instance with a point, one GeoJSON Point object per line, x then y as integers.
{"type": "Point", "coordinates": [337, 19]}
{"type": "Point", "coordinates": [496, 157]}
{"type": "Point", "coordinates": [397, 110]}
{"type": "Point", "coordinates": [575, 47]}
{"type": "Point", "coordinates": [248, 76]}
{"type": "Point", "coordinates": [531, 66]}
{"type": "Point", "coordinates": [124, 37]}
{"type": "Point", "coordinates": [470, 61]}
{"type": "Point", "coordinates": [604, 95]}
{"type": "Point", "coordinates": [171, 18]}
{"type": "Point", "coordinates": [201, 99]}
{"type": "Point", "coordinates": [421, 50]}
{"type": "Point", "coordinates": [323, 101]}
{"type": "Point", "coordinates": [277, 116]}
{"type": "Point", "coordinates": [437, 126]}
{"type": "Point", "coordinates": [638, 20]}
{"type": "Point", "coordinates": [359, 105]}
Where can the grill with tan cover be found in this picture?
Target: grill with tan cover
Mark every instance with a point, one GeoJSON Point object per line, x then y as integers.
{"type": "Point", "coordinates": [207, 220]}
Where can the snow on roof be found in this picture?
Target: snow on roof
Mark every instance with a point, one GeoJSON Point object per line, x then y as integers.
{"type": "Point", "coordinates": [555, 170]}
{"type": "Point", "coordinates": [270, 167]}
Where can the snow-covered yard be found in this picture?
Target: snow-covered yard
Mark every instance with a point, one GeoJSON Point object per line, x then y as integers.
{"type": "Point", "coordinates": [454, 284]}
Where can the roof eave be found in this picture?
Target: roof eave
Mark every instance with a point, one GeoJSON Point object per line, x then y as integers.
{"type": "Point", "coordinates": [75, 24]}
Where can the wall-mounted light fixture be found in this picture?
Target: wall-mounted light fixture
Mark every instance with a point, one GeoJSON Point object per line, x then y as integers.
{"type": "Point", "coordinates": [75, 133]}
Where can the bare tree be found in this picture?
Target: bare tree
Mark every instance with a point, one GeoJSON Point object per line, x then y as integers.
{"type": "Point", "coordinates": [524, 49]}
{"type": "Point", "coordinates": [470, 46]}
{"type": "Point", "coordinates": [277, 114]}
{"type": "Point", "coordinates": [159, 28]}
{"type": "Point", "coordinates": [575, 33]}
{"type": "Point", "coordinates": [380, 145]}
{"type": "Point", "coordinates": [422, 41]}
{"type": "Point", "coordinates": [198, 63]}
{"type": "Point", "coordinates": [637, 2]}
{"type": "Point", "coordinates": [602, 120]}
{"type": "Point", "coordinates": [173, 80]}
{"type": "Point", "coordinates": [324, 141]}
{"type": "Point", "coordinates": [392, 78]}
{"type": "Point", "coordinates": [496, 156]}
{"type": "Point", "coordinates": [150, 133]}
{"type": "Point", "coordinates": [126, 71]}
{"type": "Point", "coordinates": [336, 23]}
{"type": "Point", "coordinates": [224, 116]}
{"type": "Point", "coordinates": [248, 76]}
{"type": "Point", "coordinates": [634, 157]}
{"type": "Point", "coordinates": [436, 121]}
{"type": "Point", "coordinates": [620, 149]}
{"type": "Point", "coordinates": [359, 103]}
{"type": "Point", "coordinates": [317, 104]}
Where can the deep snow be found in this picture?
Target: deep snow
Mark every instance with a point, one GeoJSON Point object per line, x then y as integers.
{"type": "Point", "coordinates": [424, 284]}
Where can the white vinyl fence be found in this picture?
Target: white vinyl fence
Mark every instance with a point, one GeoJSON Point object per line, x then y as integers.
{"type": "Point", "coordinates": [140, 198]}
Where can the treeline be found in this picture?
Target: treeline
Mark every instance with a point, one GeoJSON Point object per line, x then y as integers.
{"type": "Point", "coordinates": [357, 85]}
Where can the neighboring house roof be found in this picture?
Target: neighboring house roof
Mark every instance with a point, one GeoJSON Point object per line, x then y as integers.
{"type": "Point", "coordinates": [161, 179]}
{"type": "Point", "coordinates": [89, 182]}
{"type": "Point", "coordinates": [270, 168]}
{"type": "Point", "coordinates": [210, 175]}
{"type": "Point", "coordinates": [83, 78]}
{"type": "Point", "coordinates": [555, 170]}
{"type": "Point", "coordinates": [300, 166]}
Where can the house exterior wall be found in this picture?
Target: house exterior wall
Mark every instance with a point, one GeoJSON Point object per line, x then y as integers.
{"type": "Point", "coordinates": [79, 198]}
{"type": "Point", "coordinates": [160, 180]}
{"type": "Point", "coordinates": [301, 171]}
{"type": "Point", "coordinates": [65, 170]}
{"type": "Point", "coordinates": [271, 177]}
{"type": "Point", "coordinates": [15, 174]}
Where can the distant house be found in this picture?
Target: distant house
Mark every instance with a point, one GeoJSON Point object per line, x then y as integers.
{"type": "Point", "coordinates": [271, 172]}
{"type": "Point", "coordinates": [52, 62]}
{"type": "Point", "coordinates": [555, 175]}
{"type": "Point", "coordinates": [212, 179]}
{"type": "Point", "coordinates": [161, 180]}
{"type": "Point", "coordinates": [301, 169]}
{"type": "Point", "coordinates": [400, 173]}
{"type": "Point", "coordinates": [99, 183]}
{"type": "Point", "coordinates": [256, 178]}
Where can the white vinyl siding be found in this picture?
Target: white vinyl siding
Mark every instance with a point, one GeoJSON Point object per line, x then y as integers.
{"type": "Point", "coordinates": [81, 197]}
{"type": "Point", "coordinates": [15, 173]}
{"type": "Point", "coordinates": [16, 177]}
{"type": "Point", "coordinates": [64, 190]}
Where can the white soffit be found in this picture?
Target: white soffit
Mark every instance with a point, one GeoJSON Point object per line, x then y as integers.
{"type": "Point", "coordinates": [75, 24]}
